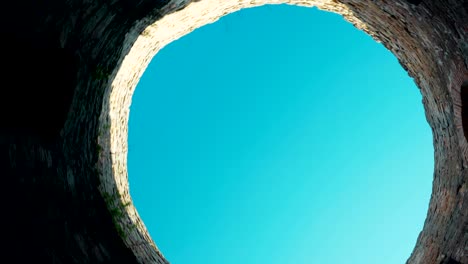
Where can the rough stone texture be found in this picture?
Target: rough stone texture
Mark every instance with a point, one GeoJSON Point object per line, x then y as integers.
{"type": "Point", "coordinates": [72, 67]}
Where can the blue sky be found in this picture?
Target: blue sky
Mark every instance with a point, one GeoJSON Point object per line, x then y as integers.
{"type": "Point", "coordinates": [280, 134]}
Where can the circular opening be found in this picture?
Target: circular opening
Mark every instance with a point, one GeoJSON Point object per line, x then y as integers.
{"type": "Point", "coordinates": [337, 121]}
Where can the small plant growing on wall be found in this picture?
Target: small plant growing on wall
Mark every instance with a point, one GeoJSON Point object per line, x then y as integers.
{"type": "Point", "coordinates": [117, 210]}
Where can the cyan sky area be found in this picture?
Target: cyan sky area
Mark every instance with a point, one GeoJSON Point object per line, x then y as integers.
{"type": "Point", "coordinates": [280, 134]}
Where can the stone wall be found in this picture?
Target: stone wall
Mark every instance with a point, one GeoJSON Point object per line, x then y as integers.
{"type": "Point", "coordinates": [73, 67]}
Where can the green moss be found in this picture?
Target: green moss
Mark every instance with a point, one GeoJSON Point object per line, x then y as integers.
{"type": "Point", "coordinates": [101, 73]}
{"type": "Point", "coordinates": [120, 231]}
{"type": "Point", "coordinates": [98, 149]}
{"type": "Point", "coordinates": [117, 211]}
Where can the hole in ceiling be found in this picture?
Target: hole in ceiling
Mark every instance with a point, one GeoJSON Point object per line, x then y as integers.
{"type": "Point", "coordinates": [256, 132]}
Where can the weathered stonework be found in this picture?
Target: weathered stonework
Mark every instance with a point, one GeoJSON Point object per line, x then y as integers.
{"type": "Point", "coordinates": [65, 160]}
